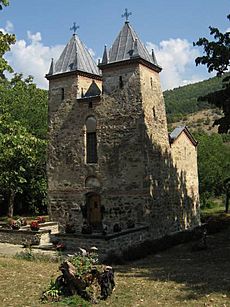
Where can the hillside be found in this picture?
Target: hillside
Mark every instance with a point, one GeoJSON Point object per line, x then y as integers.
{"type": "Point", "coordinates": [201, 120]}
{"type": "Point", "coordinates": [183, 100]}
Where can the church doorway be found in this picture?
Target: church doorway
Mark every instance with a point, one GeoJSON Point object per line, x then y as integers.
{"type": "Point", "coordinates": [94, 213]}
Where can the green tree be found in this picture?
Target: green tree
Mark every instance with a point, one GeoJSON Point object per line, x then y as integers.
{"type": "Point", "coordinates": [23, 130]}
{"type": "Point", "coordinates": [217, 58]}
{"type": "Point", "coordinates": [3, 3]}
{"type": "Point", "coordinates": [25, 103]}
{"type": "Point", "coordinates": [5, 41]}
{"type": "Point", "coordinates": [20, 153]}
{"type": "Point", "coordinates": [213, 164]}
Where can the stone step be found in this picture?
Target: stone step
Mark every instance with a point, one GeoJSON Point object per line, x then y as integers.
{"type": "Point", "coordinates": [47, 246]}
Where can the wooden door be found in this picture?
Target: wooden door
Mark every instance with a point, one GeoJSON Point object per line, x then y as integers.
{"type": "Point", "coordinates": [94, 210]}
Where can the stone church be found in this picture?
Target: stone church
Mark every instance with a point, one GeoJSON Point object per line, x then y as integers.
{"type": "Point", "coordinates": [116, 176]}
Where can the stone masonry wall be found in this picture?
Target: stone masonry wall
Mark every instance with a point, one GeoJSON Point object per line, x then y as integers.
{"type": "Point", "coordinates": [21, 236]}
{"type": "Point", "coordinates": [106, 244]}
{"type": "Point", "coordinates": [138, 178]}
{"type": "Point", "coordinates": [184, 155]}
{"type": "Point", "coordinates": [154, 107]}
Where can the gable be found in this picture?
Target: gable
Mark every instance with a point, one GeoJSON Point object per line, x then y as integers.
{"type": "Point", "coordinates": [178, 132]}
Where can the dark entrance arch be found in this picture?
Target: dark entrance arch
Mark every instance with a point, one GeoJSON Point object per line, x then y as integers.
{"type": "Point", "coordinates": [94, 212]}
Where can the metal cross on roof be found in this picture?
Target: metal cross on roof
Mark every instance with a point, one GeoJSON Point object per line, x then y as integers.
{"type": "Point", "coordinates": [126, 15]}
{"type": "Point", "coordinates": [74, 28]}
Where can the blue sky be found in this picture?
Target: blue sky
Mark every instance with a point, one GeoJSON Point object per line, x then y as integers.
{"type": "Point", "coordinates": [170, 27]}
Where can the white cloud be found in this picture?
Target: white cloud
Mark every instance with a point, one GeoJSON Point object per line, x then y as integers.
{"type": "Point", "coordinates": [8, 27]}
{"type": "Point", "coordinates": [35, 38]}
{"type": "Point", "coordinates": [177, 57]}
{"type": "Point", "coordinates": [33, 58]}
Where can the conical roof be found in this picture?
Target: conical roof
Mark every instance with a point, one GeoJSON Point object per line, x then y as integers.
{"type": "Point", "coordinates": [127, 46]}
{"type": "Point", "coordinates": [74, 57]}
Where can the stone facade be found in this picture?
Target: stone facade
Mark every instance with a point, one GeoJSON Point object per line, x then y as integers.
{"type": "Point", "coordinates": [140, 176]}
{"type": "Point", "coordinates": [112, 243]}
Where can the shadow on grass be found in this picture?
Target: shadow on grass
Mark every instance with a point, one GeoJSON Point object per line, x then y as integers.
{"type": "Point", "coordinates": [199, 273]}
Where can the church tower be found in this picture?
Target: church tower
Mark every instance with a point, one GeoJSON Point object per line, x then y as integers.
{"type": "Point", "coordinates": [74, 89]}
{"type": "Point", "coordinates": [130, 73]}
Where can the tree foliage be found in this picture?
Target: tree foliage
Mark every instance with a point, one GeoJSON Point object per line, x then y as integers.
{"type": "Point", "coordinates": [6, 40]}
{"type": "Point", "coordinates": [217, 58]}
{"type": "Point", "coordinates": [25, 103]}
{"type": "Point", "coordinates": [3, 3]}
{"type": "Point", "coordinates": [183, 100]}
{"type": "Point", "coordinates": [213, 163]}
{"type": "Point", "coordinates": [21, 156]}
{"type": "Point", "coordinates": [23, 130]}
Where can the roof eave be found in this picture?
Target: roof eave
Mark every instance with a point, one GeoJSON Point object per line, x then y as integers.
{"type": "Point", "coordinates": [95, 98]}
{"type": "Point", "coordinates": [134, 60]}
{"type": "Point", "coordinates": [73, 72]}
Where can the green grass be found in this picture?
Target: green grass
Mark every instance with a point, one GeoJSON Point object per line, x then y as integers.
{"type": "Point", "coordinates": [214, 206]}
{"type": "Point", "coordinates": [24, 281]}
{"type": "Point", "coordinates": [175, 277]}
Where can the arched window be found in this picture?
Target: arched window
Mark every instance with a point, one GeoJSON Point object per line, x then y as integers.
{"type": "Point", "coordinates": [91, 140]}
{"type": "Point", "coordinates": [92, 182]}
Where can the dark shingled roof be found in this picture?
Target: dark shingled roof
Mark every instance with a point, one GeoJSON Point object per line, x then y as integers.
{"type": "Point", "coordinates": [127, 46]}
{"type": "Point", "coordinates": [74, 57]}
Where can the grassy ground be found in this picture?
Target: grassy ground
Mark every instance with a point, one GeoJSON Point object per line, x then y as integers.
{"type": "Point", "coordinates": [23, 281]}
{"type": "Point", "coordinates": [215, 206]}
{"type": "Point", "coordinates": [176, 277]}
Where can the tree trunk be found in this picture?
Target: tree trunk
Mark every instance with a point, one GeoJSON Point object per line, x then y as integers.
{"type": "Point", "coordinates": [227, 202]}
{"type": "Point", "coordinates": [11, 203]}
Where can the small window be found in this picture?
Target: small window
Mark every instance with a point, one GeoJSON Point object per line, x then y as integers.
{"type": "Point", "coordinates": [91, 140]}
{"type": "Point", "coordinates": [62, 93]}
{"type": "Point", "coordinates": [154, 113]}
{"type": "Point", "coordinates": [151, 82]}
{"type": "Point", "coordinates": [121, 84]}
{"type": "Point", "coordinates": [90, 105]}
{"type": "Point", "coordinates": [82, 92]}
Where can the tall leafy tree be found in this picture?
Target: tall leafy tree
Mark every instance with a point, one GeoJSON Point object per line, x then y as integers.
{"type": "Point", "coordinates": [217, 58]}
{"type": "Point", "coordinates": [23, 110]}
{"type": "Point", "coordinates": [23, 129]}
{"type": "Point", "coordinates": [20, 154]}
{"type": "Point", "coordinates": [213, 165]}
